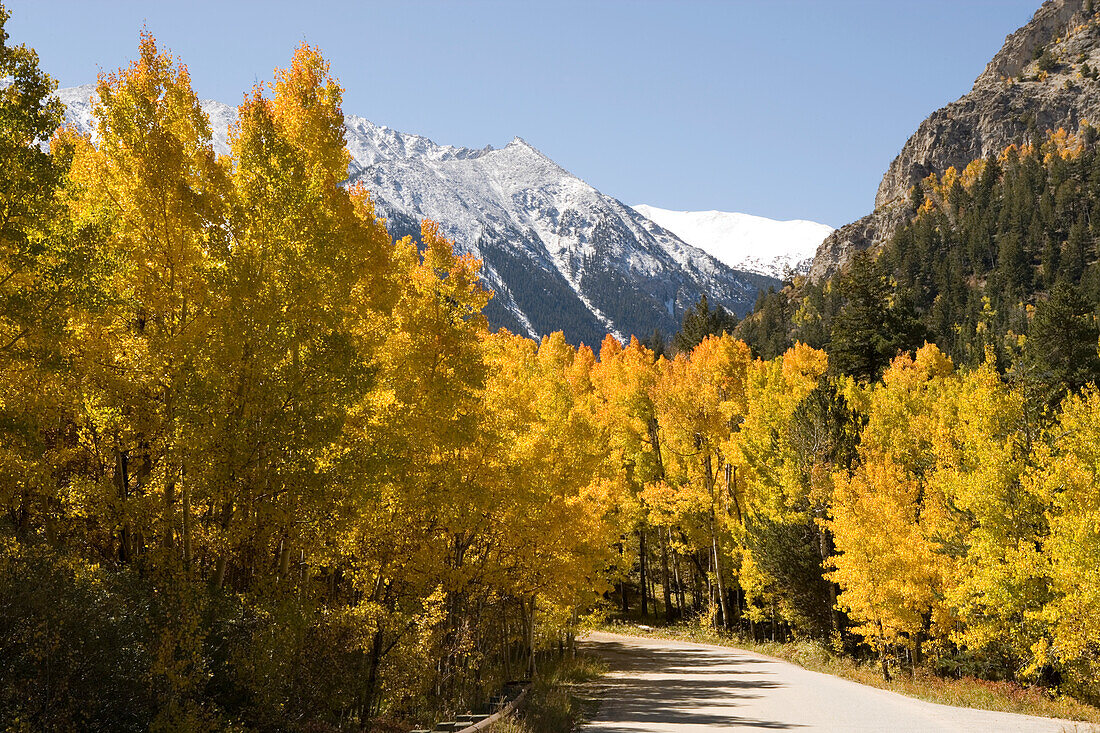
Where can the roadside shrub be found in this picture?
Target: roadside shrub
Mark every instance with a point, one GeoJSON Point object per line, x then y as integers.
{"type": "Point", "coordinates": [74, 644]}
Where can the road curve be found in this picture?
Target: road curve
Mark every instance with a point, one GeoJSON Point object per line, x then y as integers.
{"type": "Point", "coordinates": [660, 686]}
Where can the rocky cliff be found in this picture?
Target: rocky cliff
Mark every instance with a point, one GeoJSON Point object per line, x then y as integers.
{"type": "Point", "coordinates": [1043, 78]}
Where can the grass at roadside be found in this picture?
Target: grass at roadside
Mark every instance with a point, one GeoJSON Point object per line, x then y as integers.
{"type": "Point", "coordinates": [966, 692]}
{"type": "Point", "coordinates": [559, 700]}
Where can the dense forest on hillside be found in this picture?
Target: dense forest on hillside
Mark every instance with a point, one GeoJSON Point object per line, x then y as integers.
{"type": "Point", "coordinates": [986, 250]}
{"type": "Point", "coordinates": [262, 467]}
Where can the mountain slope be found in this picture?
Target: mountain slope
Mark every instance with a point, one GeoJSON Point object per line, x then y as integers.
{"type": "Point", "coordinates": [745, 242]}
{"type": "Point", "coordinates": [1039, 80]}
{"type": "Point", "coordinates": [559, 254]}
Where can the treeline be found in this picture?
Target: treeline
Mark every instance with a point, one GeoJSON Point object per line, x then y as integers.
{"type": "Point", "coordinates": [937, 517]}
{"type": "Point", "coordinates": [262, 467]}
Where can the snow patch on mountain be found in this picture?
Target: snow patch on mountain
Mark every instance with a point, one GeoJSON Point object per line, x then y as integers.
{"type": "Point", "coordinates": [78, 113]}
{"type": "Point", "coordinates": [746, 242]}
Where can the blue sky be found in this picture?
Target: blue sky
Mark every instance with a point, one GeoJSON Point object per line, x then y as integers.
{"type": "Point", "coordinates": [781, 108]}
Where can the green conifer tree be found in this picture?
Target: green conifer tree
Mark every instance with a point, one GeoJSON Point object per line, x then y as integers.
{"type": "Point", "coordinates": [871, 327]}
{"type": "Point", "coordinates": [1061, 349]}
{"type": "Point", "coordinates": [700, 321]}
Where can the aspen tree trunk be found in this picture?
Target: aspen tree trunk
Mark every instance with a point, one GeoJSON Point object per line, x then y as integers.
{"type": "Point", "coordinates": [711, 479]}
{"type": "Point", "coordinates": [284, 559]}
{"type": "Point", "coordinates": [122, 481]}
{"type": "Point", "coordinates": [651, 588]}
{"type": "Point", "coordinates": [882, 653]}
{"type": "Point", "coordinates": [219, 572]}
{"type": "Point", "coordinates": [825, 550]}
{"type": "Point", "coordinates": [665, 584]}
{"type": "Point", "coordinates": [731, 490]}
{"type": "Point", "coordinates": [642, 563]}
{"type": "Point", "coordinates": [573, 634]}
{"type": "Point", "coordinates": [169, 514]}
{"type": "Point", "coordinates": [722, 603]}
{"type": "Point", "coordinates": [676, 579]}
{"type": "Point", "coordinates": [505, 643]}
{"type": "Point", "coordinates": [531, 668]}
{"type": "Point", "coordinates": [711, 575]}
{"type": "Point", "coordinates": [622, 582]}
{"type": "Point", "coordinates": [696, 586]}
{"type": "Point", "coordinates": [374, 698]}
{"type": "Point", "coordinates": [738, 593]}
{"type": "Point", "coordinates": [186, 525]}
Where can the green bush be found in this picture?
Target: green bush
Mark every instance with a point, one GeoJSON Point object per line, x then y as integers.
{"type": "Point", "coordinates": [1047, 61]}
{"type": "Point", "coordinates": [74, 644]}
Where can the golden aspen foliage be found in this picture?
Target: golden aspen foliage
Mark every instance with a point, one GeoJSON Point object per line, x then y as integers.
{"type": "Point", "coordinates": [556, 497]}
{"type": "Point", "coordinates": [983, 448]}
{"type": "Point", "coordinates": [787, 449]}
{"type": "Point", "coordinates": [887, 517]}
{"type": "Point", "coordinates": [775, 389]}
{"type": "Point", "coordinates": [152, 186]}
{"type": "Point", "coordinates": [46, 273]}
{"type": "Point", "coordinates": [625, 379]}
{"type": "Point", "coordinates": [264, 468]}
{"type": "Point", "coordinates": [700, 401]}
{"type": "Point", "coordinates": [1066, 478]}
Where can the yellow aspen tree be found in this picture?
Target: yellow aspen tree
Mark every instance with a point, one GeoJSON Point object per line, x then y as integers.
{"type": "Point", "coordinates": [152, 184]}
{"type": "Point", "coordinates": [701, 401]}
{"type": "Point", "coordinates": [306, 281]}
{"type": "Point", "coordinates": [42, 280]}
{"type": "Point", "coordinates": [1065, 480]}
{"type": "Point", "coordinates": [625, 377]}
{"type": "Point", "coordinates": [554, 501]}
{"type": "Point", "coordinates": [885, 517]}
{"type": "Point", "coordinates": [152, 188]}
{"type": "Point", "coordinates": [783, 456]}
{"type": "Point", "coordinates": [983, 448]}
{"type": "Point", "coordinates": [423, 445]}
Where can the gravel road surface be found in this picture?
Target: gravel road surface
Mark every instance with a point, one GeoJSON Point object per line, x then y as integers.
{"type": "Point", "coordinates": [659, 686]}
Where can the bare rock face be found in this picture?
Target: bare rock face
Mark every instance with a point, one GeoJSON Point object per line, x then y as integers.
{"type": "Point", "coordinates": [871, 231]}
{"type": "Point", "coordinates": [1041, 79]}
{"type": "Point", "coordinates": [1049, 21]}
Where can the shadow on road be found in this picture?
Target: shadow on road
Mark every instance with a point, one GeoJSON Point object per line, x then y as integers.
{"type": "Point", "coordinates": [651, 689]}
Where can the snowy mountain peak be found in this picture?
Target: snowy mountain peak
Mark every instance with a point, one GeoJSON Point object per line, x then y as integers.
{"type": "Point", "coordinates": [559, 254]}
{"type": "Point", "coordinates": [82, 93]}
{"type": "Point", "coordinates": [746, 242]}
{"type": "Point", "coordinates": [520, 143]}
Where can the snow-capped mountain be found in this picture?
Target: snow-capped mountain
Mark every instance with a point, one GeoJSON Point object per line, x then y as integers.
{"type": "Point", "coordinates": [558, 254]}
{"type": "Point", "coordinates": [746, 242]}
{"type": "Point", "coordinates": [78, 112]}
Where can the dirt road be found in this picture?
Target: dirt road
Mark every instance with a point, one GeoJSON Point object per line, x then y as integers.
{"type": "Point", "coordinates": [659, 686]}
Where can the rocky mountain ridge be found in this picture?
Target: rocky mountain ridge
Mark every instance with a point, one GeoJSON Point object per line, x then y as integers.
{"type": "Point", "coordinates": [1043, 78]}
{"type": "Point", "coordinates": [559, 254]}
